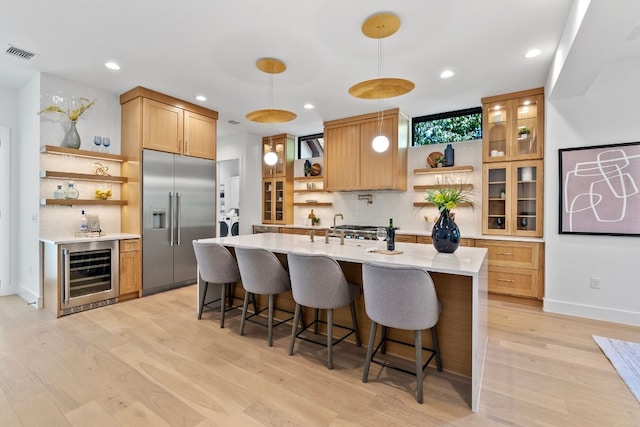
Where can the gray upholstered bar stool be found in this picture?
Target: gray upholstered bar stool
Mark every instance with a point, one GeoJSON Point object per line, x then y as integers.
{"type": "Point", "coordinates": [402, 298]}
{"type": "Point", "coordinates": [317, 281]}
{"type": "Point", "coordinates": [262, 274]}
{"type": "Point", "coordinates": [216, 265]}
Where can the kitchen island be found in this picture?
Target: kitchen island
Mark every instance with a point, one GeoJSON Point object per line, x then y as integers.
{"type": "Point", "coordinates": [460, 279]}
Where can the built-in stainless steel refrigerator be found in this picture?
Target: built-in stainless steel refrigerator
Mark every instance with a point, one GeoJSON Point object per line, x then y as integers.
{"type": "Point", "coordinates": [178, 206]}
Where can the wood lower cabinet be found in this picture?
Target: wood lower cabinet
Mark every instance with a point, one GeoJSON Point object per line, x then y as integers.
{"type": "Point", "coordinates": [317, 232]}
{"type": "Point", "coordinates": [168, 124]}
{"type": "Point", "coordinates": [515, 267]}
{"type": "Point", "coordinates": [427, 240]}
{"type": "Point", "coordinates": [130, 269]}
{"type": "Point", "coordinates": [350, 163]}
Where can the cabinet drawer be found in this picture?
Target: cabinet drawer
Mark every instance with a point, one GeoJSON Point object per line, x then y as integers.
{"type": "Point", "coordinates": [265, 229]}
{"type": "Point", "coordinates": [514, 281]}
{"type": "Point", "coordinates": [129, 245]}
{"type": "Point", "coordinates": [512, 254]}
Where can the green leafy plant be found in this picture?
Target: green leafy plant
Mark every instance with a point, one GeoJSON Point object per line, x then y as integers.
{"type": "Point", "coordinates": [524, 131]}
{"type": "Point", "coordinates": [447, 198]}
{"type": "Point", "coordinates": [440, 160]}
{"type": "Point", "coordinates": [72, 115]}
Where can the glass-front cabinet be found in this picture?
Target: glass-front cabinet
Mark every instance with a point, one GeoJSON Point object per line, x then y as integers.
{"type": "Point", "coordinates": [513, 126]}
{"type": "Point", "coordinates": [283, 145]}
{"type": "Point", "coordinates": [513, 198]}
{"type": "Point", "coordinates": [276, 201]}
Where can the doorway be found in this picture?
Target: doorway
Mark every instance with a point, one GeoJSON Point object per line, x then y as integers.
{"type": "Point", "coordinates": [228, 201]}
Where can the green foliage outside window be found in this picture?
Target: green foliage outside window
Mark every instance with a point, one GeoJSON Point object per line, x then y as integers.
{"type": "Point", "coordinates": [463, 125]}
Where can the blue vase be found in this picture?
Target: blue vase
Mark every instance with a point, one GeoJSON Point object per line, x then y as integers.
{"type": "Point", "coordinates": [446, 234]}
{"type": "Point", "coordinates": [449, 155]}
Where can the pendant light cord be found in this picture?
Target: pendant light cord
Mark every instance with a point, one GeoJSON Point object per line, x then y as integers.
{"type": "Point", "coordinates": [380, 74]}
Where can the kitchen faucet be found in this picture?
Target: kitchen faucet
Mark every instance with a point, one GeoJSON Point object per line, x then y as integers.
{"type": "Point", "coordinates": [334, 220]}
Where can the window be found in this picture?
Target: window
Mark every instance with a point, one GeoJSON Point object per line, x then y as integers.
{"type": "Point", "coordinates": [311, 146]}
{"type": "Point", "coordinates": [454, 126]}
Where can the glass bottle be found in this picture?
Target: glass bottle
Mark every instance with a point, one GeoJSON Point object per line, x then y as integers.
{"type": "Point", "coordinates": [391, 236]}
{"type": "Point", "coordinates": [71, 192]}
{"type": "Point", "coordinates": [59, 193]}
{"type": "Point", "coordinates": [83, 223]}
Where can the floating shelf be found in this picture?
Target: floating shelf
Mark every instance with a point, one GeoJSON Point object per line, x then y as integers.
{"type": "Point", "coordinates": [317, 190]}
{"type": "Point", "coordinates": [437, 187]}
{"type": "Point", "coordinates": [82, 176]}
{"type": "Point", "coordinates": [444, 170]}
{"type": "Point", "coordinates": [312, 204]}
{"type": "Point", "coordinates": [426, 204]}
{"type": "Point", "coordinates": [308, 178]}
{"type": "Point", "coordinates": [52, 149]}
{"type": "Point", "coordinates": [73, 202]}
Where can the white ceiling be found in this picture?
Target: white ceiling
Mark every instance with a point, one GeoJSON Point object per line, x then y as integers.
{"type": "Point", "coordinates": [210, 47]}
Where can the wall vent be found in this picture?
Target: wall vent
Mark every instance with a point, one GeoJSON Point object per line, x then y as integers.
{"type": "Point", "coordinates": [20, 53]}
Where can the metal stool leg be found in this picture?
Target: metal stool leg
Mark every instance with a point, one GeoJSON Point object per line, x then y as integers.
{"type": "Point", "coordinates": [223, 301]}
{"type": "Point", "coordinates": [367, 362]}
{"type": "Point", "coordinates": [330, 338]}
{"type": "Point", "coordinates": [270, 328]}
{"type": "Point", "coordinates": [383, 347]}
{"type": "Point", "coordinates": [204, 295]}
{"type": "Point", "coordinates": [418, 343]}
{"type": "Point", "coordinates": [245, 305]}
{"type": "Point", "coordinates": [316, 316]}
{"type": "Point", "coordinates": [354, 318]}
{"type": "Point", "coordinates": [294, 329]}
{"type": "Point", "coordinates": [436, 348]}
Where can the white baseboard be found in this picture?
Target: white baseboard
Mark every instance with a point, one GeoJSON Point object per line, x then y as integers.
{"type": "Point", "coordinates": [31, 299]}
{"type": "Point", "coordinates": [592, 312]}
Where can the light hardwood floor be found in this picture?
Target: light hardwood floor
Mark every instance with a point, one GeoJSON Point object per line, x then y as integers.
{"type": "Point", "coordinates": [150, 362]}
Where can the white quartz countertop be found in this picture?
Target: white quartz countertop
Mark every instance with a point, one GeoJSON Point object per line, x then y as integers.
{"type": "Point", "coordinates": [61, 240]}
{"type": "Point", "coordinates": [465, 261]}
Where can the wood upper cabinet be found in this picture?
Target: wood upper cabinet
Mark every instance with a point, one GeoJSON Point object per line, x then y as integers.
{"type": "Point", "coordinates": [284, 147]}
{"type": "Point", "coordinates": [277, 180]}
{"type": "Point", "coordinates": [352, 164]}
{"type": "Point", "coordinates": [513, 126]}
{"type": "Point", "coordinates": [169, 124]}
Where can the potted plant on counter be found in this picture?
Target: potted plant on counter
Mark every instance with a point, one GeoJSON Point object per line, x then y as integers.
{"type": "Point", "coordinates": [445, 235]}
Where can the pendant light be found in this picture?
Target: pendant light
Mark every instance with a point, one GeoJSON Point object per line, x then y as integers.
{"type": "Point", "coordinates": [271, 66]}
{"type": "Point", "coordinates": [378, 27]}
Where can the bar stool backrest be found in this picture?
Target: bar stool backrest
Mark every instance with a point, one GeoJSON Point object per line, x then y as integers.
{"type": "Point", "coordinates": [318, 281]}
{"type": "Point", "coordinates": [400, 297]}
{"type": "Point", "coordinates": [262, 272]}
{"type": "Point", "coordinates": [215, 262]}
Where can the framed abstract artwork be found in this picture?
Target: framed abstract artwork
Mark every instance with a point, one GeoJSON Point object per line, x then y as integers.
{"type": "Point", "coordinates": [600, 189]}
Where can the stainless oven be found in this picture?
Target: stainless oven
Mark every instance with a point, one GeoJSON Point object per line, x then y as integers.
{"type": "Point", "coordinates": [88, 275]}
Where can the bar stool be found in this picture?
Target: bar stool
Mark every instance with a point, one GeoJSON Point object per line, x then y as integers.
{"type": "Point", "coordinates": [216, 265]}
{"type": "Point", "coordinates": [261, 274]}
{"type": "Point", "coordinates": [402, 298]}
{"type": "Point", "coordinates": [317, 281]}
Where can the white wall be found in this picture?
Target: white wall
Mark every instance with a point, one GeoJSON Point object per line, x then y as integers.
{"type": "Point", "coordinates": [607, 114]}
{"type": "Point", "coordinates": [26, 187]}
{"type": "Point", "coordinates": [248, 149]}
{"type": "Point", "coordinates": [8, 118]}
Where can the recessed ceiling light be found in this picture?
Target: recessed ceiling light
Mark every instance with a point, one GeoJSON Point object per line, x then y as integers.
{"type": "Point", "coordinates": [532, 53]}
{"type": "Point", "coordinates": [446, 74]}
{"type": "Point", "coordinates": [309, 106]}
{"type": "Point", "coordinates": [201, 98]}
{"type": "Point", "coordinates": [112, 65]}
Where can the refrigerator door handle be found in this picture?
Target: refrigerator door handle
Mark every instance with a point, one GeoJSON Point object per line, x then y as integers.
{"type": "Point", "coordinates": [172, 216]}
{"type": "Point", "coordinates": [178, 217]}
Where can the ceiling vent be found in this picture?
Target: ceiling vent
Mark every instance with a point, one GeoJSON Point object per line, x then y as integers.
{"type": "Point", "coordinates": [20, 53]}
{"type": "Point", "coordinates": [234, 122]}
